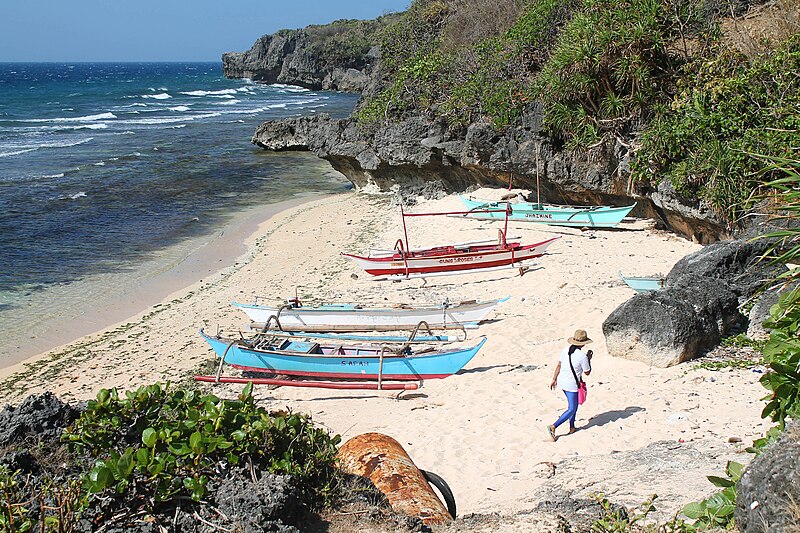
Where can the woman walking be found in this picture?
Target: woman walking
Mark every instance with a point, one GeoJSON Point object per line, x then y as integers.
{"type": "Point", "coordinates": [572, 363]}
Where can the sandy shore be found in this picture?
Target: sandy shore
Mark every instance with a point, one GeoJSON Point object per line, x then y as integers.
{"type": "Point", "coordinates": [482, 430]}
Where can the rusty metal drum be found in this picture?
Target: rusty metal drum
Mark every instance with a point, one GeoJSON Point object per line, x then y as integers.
{"type": "Point", "coordinates": [383, 460]}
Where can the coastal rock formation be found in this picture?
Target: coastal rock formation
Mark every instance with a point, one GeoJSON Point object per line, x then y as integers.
{"type": "Point", "coordinates": [664, 328]}
{"type": "Point", "coordinates": [337, 57]}
{"type": "Point", "coordinates": [42, 417]}
{"type": "Point", "coordinates": [768, 494]}
{"type": "Point", "coordinates": [700, 304]}
{"type": "Point", "coordinates": [418, 154]}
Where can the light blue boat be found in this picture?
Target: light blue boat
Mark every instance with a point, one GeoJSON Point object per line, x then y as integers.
{"type": "Point", "coordinates": [643, 284]}
{"type": "Point", "coordinates": [264, 353]}
{"type": "Point", "coordinates": [556, 215]}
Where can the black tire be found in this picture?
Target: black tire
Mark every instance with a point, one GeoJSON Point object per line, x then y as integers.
{"type": "Point", "coordinates": [444, 490]}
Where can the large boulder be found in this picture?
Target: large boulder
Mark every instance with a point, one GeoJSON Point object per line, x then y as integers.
{"type": "Point", "coordinates": [768, 494]}
{"type": "Point", "coordinates": [664, 328]}
{"type": "Point", "coordinates": [738, 263]}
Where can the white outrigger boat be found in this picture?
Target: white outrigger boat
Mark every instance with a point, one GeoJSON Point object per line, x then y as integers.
{"type": "Point", "coordinates": [354, 317]}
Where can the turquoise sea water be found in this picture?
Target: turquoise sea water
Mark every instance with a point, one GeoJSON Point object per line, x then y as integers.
{"type": "Point", "coordinates": [103, 165]}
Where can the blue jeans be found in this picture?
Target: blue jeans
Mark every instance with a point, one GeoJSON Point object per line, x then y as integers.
{"type": "Point", "coordinates": [571, 412]}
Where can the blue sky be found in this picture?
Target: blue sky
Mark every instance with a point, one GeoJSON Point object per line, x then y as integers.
{"type": "Point", "coordinates": [159, 30]}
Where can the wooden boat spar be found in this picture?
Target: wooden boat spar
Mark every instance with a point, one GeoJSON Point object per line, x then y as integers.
{"type": "Point", "coordinates": [403, 262]}
{"type": "Point", "coordinates": [353, 317]}
{"type": "Point", "coordinates": [556, 215]}
{"type": "Point", "coordinates": [643, 284]}
{"type": "Point", "coordinates": [329, 359]}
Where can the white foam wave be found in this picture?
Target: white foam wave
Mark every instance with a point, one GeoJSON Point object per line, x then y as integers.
{"type": "Point", "coordinates": [86, 118]}
{"type": "Point", "coordinates": [25, 148]}
{"type": "Point", "coordinates": [290, 88]}
{"type": "Point", "coordinates": [228, 102]}
{"type": "Point", "coordinates": [169, 120]}
{"type": "Point", "coordinates": [179, 108]}
{"type": "Point", "coordinates": [75, 196]}
{"type": "Point", "coordinates": [221, 92]}
{"type": "Point", "coordinates": [17, 152]}
{"type": "Point", "coordinates": [100, 164]}
{"type": "Point", "coordinates": [179, 126]}
{"type": "Point", "coordinates": [159, 96]}
{"type": "Point", "coordinates": [66, 144]}
{"type": "Point", "coordinates": [100, 126]}
{"type": "Point", "coordinates": [52, 176]}
{"type": "Point", "coordinates": [42, 129]}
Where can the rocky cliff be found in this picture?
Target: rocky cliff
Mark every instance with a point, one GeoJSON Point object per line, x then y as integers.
{"type": "Point", "coordinates": [424, 155]}
{"type": "Point", "coordinates": [339, 56]}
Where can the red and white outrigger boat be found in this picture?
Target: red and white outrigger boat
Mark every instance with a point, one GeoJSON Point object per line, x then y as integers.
{"type": "Point", "coordinates": [481, 256]}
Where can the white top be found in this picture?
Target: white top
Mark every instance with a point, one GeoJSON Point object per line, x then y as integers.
{"type": "Point", "coordinates": [565, 379]}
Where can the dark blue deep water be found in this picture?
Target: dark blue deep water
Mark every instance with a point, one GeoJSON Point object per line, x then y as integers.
{"type": "Point", "coordinates": [105, 166]}
{"type": "Point", "coordinates": [102, 163]}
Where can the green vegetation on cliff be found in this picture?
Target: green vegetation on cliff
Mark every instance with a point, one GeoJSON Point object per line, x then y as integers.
{"type": "Point", "coordinates": [658, 75]}
{"type": "Point", "coordinates": [727, 109]}
{"type": "Point", "coordinates": [344, 41]}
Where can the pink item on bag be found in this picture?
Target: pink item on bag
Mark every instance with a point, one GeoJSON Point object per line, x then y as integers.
{"type": "Point", "coordinates": [582, 392]}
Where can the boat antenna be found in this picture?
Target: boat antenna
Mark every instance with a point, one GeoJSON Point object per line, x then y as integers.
{"type": "Point", "coordinates": [538, 197]}
{"type": "Point", "coordinates": [403, 216]}
{"type": "Point", "coordinates": [508, 208]}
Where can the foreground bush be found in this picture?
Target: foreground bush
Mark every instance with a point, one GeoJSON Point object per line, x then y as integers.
{"type": "Point", "coordinates": [164, 443]}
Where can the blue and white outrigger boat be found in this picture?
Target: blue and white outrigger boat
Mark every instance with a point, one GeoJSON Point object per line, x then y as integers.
{"type": "Point", "coordinates": [556, 215]}
{"type": "Point", "coordinates": [354, 317]}
{"type": "Point", "coordinates": [362, 365]}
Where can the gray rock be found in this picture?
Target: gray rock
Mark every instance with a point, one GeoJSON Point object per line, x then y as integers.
{"type": "Point", "coordinates": [676, 471]}
{"type": "Point", "coordinates": [768, 494]}
{"type": "Point", "coordinates": [266, 505]}
{"type": "Point", "coordinates": [40, 417]}
{"type": "Point", "coordinates": [417, 150]}
{"type": "Point", "coordinates": [738, 263]}
{"type": "Point", "coordinates": [664, 328]}
{"type": "Point", "coordinates": [287, 56]}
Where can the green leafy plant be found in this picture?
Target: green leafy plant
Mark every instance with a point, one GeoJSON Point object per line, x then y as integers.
{"type": "Point", "coordinates": [169, 442]}
{"type": "Point", "coordinates": [717, 511]}
{"type": "Point", "coordinates": [617, 519]}
{"type": "Point", "coordinates": [727, 107]}
{"type": "Point", "coordinates": [782, 354]}
{"type": "Point", "coordinates": [14, 511]}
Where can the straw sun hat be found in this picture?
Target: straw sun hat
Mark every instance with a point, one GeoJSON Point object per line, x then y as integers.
{"type": "Point", "coordinates": [580, 338]}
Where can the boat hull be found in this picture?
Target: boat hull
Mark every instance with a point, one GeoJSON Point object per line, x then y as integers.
{"type": "Point", "coordinates": [592, 217]}
{"type": "Point", "coordinates": [438, 364]}
{"type": "Point", "coordinates": [455, 261]}
{"type": "Point", "coordinates": [354, 318]}
{"type": "Point", "coordinates": [643, 284]}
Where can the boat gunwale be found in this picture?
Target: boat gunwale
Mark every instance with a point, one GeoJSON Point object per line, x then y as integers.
{"type": "Point", "coordinates": [397, 257]}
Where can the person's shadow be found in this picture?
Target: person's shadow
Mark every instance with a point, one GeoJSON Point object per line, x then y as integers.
{"type": "Point", "coordinates": [612, 416]}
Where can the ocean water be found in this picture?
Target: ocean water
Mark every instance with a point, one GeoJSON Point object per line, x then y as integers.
{"type": "Point", "coordinates": [105, 166]}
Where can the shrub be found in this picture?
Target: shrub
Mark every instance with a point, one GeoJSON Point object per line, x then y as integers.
{"type": "Point", "coordinates": [727, 108]}
{"type": "Point", "coordinates": [166, 442]}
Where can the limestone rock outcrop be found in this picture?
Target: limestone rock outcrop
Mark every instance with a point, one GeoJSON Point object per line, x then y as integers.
{"type": "Point", "coordinates": [699, 306]}
{"type": "Point", "coordinates": [768, 494]}
{"type": "Point", "coordinates": [418, 153]}
{"type": "Point", "coordinates": [664, 328]}
{"type": "Point", "coordinates": [289, 56]}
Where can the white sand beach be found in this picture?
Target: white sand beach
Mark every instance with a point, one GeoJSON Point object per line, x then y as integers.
{"type": "Point", "coordinates": [482, 430]}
